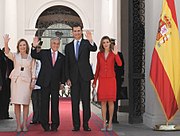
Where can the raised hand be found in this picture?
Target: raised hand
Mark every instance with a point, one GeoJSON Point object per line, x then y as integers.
{"type": "Point", "coordinates": [35, 41]}
{"type": "Point", "coordinates": [115, 50]}
{"type": "Point", "coordinates": [6, 39]}
{"type": "Point", "coordinates": [89, 36]}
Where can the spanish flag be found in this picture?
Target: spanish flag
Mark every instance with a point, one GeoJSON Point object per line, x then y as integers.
{"type": "Point", "coordinates": [165, 63]}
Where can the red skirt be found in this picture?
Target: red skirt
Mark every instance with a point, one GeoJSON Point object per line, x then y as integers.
{"type": "Point", "coordinates": [107, 89]}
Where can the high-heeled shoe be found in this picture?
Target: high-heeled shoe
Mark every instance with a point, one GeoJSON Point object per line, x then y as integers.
{"type": "Point", "coordinates": [103, 129]}
{"type": "Point", "coordinates": [25, 129]}
{"type": "Point", "coordinates": [110, 128]}
{"type": "Point", "coordinates": [18, 130]}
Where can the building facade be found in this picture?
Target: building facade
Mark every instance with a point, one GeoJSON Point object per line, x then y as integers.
{"type": "Point", "coordinates": [27, 18]}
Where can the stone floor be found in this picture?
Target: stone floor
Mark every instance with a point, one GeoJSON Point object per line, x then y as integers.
{"type": "Point", "coordinates": [122, 129]}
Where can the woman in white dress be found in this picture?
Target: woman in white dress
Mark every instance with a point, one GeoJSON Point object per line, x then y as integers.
{"type": "Point", "coordinates": [22, 80]}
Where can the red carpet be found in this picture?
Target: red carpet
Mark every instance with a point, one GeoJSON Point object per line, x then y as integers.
{"type": "Point", "coordinates": [65, 125]}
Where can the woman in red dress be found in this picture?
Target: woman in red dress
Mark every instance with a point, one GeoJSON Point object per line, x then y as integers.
{"type": "Point", "coordinates": [106, 58]}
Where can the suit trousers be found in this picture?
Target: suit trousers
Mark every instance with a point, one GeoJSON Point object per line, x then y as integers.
{"type": "Point", "coordinates": [80, 90]}
{"type": "Point", "coordinates": [45, 100]}
{"type": "Point", "coordinates": [5, 99]}
{"type": "Point", "coordinates": [36, 102]}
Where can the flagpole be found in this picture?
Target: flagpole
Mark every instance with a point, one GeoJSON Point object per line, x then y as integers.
{"type": "Point", "coordinates": [167, 123]}
{"type": "Point", "coordinates": [167, 71]}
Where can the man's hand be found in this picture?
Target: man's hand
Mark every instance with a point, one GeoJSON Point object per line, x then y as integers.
{"type": "Point", "coordinates": [35, 41]}
{"type": "Point", "coordinates": [89, 36]}
{"type": "Point", "coordinates": [69, 82]}
{"type": "Point", "coordinates": [0, 88]}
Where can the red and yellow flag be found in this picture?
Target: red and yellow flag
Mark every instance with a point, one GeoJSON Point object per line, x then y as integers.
{"type": "Point", "coordinates": [165, 63]}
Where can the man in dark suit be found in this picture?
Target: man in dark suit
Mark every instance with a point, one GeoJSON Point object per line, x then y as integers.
{"type": "Point", "coordinates": [51, 77]}
{"type": "Point", "coordinates": [79, 74]}
{"type": "Point", "coordinates": [119, 70]}
{"type": "Point", "coordinates": [6, 67]}
{"type": "Point", "coordinates": [0, 80]}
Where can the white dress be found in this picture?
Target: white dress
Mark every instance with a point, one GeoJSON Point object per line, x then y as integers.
{"type": "Point", "coordinates": [21, 75]}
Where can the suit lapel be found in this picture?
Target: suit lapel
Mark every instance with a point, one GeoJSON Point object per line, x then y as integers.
{"type": "Point", "coordinates": [50, 57]}
{"type": "Point", "coordinates": [81, 47]}
{"type": "Point", "coordinates": [72, 50]}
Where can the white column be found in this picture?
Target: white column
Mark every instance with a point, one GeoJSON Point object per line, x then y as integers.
{"type": "Point", "coordinates": [109, 18]}
{"type": "Point", "coordinates": [1, 22]}
{"type": "Point", "coordinates": [10, 22]}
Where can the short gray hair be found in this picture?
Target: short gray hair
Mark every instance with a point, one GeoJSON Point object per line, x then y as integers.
{"type": "Point", "coordinates": [54, 39]}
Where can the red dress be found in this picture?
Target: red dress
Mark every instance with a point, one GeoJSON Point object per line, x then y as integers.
{"type": "Point", "coordinates": [105, 74]}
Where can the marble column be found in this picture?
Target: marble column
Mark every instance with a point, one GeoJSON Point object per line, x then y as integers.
{"type": "Point", "coordinates": [109, 18]}
{"type": "Point", "coordinates": [10, 22]}
{"type": "Point", "coordinates": [1, 22]}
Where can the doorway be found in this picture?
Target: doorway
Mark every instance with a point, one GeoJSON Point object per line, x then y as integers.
{"type": "Point", "coordinates": [57, 21]}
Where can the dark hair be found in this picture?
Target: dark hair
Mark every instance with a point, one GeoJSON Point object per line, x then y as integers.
{"type": "Point", "coordinates": [77, 25]}
{"type": "Point", "coordinates": [101, 48]}
{"type": "Point", "coordinates": [27, 45]}
{"type": "Point", "coordinates": [113, 41]}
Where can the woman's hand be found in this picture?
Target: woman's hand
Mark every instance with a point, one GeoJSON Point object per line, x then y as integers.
{"type": "Point", "coordinates": [6, 39]}
{"type": "Point", "coordinates": [115, 50]}
{"type": "Point", "coordinates": [32, 85]}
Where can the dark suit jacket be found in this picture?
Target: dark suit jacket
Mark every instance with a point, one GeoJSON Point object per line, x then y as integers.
{"type": "Point", "coordinates": [1, 79]}
{"type": "Point", "coordinates": [73, 67]}
{"type": "Point", "coordinates": [5, 63]}
{"type": "Point", "coordinates": [49, 73]}
{"type": "Point", "coordinates": [119, 70]}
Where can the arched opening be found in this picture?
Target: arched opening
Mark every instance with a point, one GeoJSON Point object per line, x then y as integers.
{"type": "Point", "coordinates": [57, 21]}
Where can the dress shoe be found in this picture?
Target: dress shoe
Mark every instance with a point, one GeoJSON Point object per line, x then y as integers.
{"type": "Point", "coordinates": [9, 118]}
{"type": "Point", "coordinates": [34, 122]}
{"type": "Point", "coordinates": [75, 129]}
{"type": "Point", "coordinates": [115, 122]}
{"type": "Point", "coordinates": [47, 130]}
{"type": "Point", "coordinates": [87, 129]}
{"type": "Point", "coordinates": [54, 129]}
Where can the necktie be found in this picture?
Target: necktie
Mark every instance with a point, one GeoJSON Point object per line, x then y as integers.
{"type": "Point", "coordinates": [53, 58]}
{"type": "Point", "coordinates": [77, 50]}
